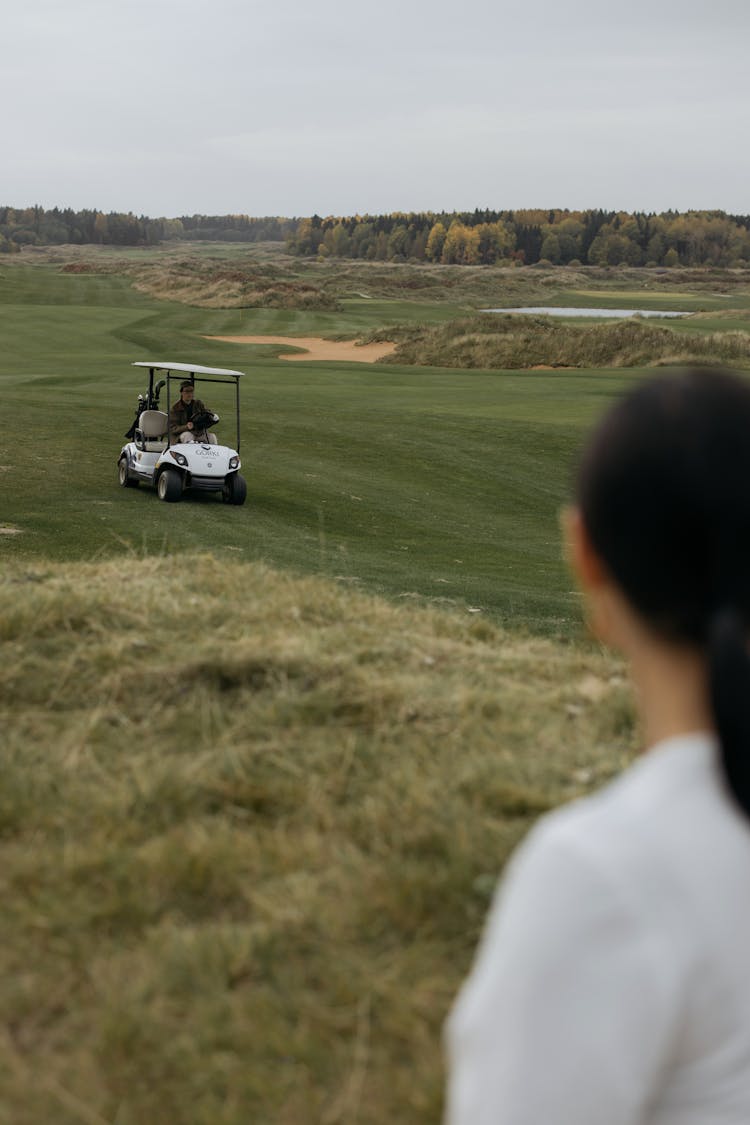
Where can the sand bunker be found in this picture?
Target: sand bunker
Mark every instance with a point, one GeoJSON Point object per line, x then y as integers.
{"type": "Point", "coordinates": [317, 348]}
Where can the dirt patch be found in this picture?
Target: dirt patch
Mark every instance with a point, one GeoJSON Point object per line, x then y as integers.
{"type": "Point", "coordinates": [318, 349]}
{"type": "Point", "coordinates": [10, 530]}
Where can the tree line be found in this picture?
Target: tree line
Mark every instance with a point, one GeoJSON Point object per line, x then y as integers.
{"type": "Point", "coordinates": [557, 237]}
{"type": "Point", "coordinates": [36, 226]}
{"type": "Point", "coordinates": [480, 237]}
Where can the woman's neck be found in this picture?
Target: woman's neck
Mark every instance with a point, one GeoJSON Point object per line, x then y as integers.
{"type": "Point", "coordinates": [671, 683]}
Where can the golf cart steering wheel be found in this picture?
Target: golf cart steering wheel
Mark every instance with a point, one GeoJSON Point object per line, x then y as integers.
{"type": "Point", "coordinates": [203, 421]}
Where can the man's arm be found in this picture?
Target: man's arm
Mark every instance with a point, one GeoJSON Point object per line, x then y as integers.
{"type": "Point", "coordinates": [176, 424]}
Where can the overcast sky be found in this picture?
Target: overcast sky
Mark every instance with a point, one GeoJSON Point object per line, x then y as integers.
{"type": "Point", "coordinates": [292, 107]}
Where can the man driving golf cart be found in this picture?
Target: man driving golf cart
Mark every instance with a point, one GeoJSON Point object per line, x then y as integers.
{"type": "Point", "coordinates": [172, 449]}
{"type": "Point", "coordinates": [189, 417]}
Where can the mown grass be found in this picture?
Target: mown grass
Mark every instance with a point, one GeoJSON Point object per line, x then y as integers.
{"type": "Point", "coordinates": [444, 487]}
{"type": "Point", "coordinates": [415, 483]}
{"type": "Point", "coordinates": [249, 825]}
{"type": "Point", "coordinates": [687, 291]}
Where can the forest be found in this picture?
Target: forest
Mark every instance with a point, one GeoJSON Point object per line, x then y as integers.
{"type": "Point", "coordinates": [479, 237]}
{"type": "Point", "coordinates": [528, 237]}
{"type": "Point", "coordinates": [35, 226]}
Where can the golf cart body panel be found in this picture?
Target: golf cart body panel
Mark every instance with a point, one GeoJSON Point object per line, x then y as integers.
{"type": "Point", "coordinates": [198, 465]}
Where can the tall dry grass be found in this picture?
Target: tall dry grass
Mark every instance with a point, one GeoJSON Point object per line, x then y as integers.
{"type": "Point", "coordinates": [227, 285]}
{"type": "Point", "coordinates": [494, 341]}
{"type": "Point", "coordinates": [249, 827]}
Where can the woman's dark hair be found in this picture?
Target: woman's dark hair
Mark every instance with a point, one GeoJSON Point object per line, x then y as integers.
{"type": "Point", "coordinates": [664, 493]}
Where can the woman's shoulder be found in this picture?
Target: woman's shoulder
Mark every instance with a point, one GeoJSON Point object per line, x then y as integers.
{"type": "Point", "coordinates": [658, 790]}
{"type": "Point", "coordinates": [655, 837]}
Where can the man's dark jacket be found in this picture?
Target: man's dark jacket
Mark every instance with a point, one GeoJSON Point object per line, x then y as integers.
{"type": "Point", "coordinates": [179, 418]}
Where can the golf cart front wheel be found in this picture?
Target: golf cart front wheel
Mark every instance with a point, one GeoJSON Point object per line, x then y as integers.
{"type": "Point", "coordinates": [169, 486]}
{"type": "Point", "coordinates": [123, 476]}
{"type": "Point", "coordinates": [235, 489]}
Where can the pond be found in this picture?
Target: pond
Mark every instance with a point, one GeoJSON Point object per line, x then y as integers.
{"type": "Point", "coordinates": [550, 310]}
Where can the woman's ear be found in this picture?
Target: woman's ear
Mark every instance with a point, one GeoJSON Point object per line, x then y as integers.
{"type": "Point", "coordinates": [583, 560]}
{"type": "Point", "coordinates": [603, 604]}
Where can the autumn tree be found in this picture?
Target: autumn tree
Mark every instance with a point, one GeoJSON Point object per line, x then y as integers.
{"type": "Point", "coordinates": [101, 227]}
{"type": "Point", "coordinates": [550, 250]}
{"type": "Point", "coordinates": [569, 233]}
{"type": "Point", "coordinates": [496, 241]}
{"type": "Point", "coordinates": [398, 244]}
{"type": "Point", "coordinates": [461, 246]}
{"type": "Point", "coordinates": [435, 242]}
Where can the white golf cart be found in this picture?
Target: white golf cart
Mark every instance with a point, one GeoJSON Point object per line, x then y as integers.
{"type": "Point", "coordinates": [154, 456]}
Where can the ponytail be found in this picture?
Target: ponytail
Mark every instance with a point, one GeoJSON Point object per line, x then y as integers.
{"type": "Point", "coordinates": [729, 685]}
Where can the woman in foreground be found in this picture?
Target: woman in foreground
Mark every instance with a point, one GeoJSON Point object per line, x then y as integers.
{"type": "Point", "coordinates": [612, 984]}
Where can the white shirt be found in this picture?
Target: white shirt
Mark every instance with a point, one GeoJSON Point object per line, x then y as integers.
{"type": "Point", "coordinates": [612, 984]}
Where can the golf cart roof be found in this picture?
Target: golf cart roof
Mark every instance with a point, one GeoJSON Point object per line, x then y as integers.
{"type": "Point", "coordinates": [189, 368]}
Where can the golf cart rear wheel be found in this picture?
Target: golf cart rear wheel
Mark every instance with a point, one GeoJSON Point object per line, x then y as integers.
{"type": "Point", "coordinates": [235, 489]}
{"type": "Point", "coordinates": [123, 476]}
{"type": "Point", "coordinates": [169, 486]}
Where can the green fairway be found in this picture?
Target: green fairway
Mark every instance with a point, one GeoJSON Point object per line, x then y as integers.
{"type": "Point", "coordinates": [434, 483]}
{"type": "Point", "coordinates": [716, 312]}
{"type": "Point", "coordinates": [442, 484]}
{"type": "Point", "coordinates": [653, 296]}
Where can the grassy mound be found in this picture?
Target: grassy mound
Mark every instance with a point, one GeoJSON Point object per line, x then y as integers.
{"type": "Point", "coordinates": [511, 342]}
{"type": "Point", "coordinates": [214, 284]}
{"type": "Point", "coordinates": [221, 286]}
{"type": "Point", "coordinates": [249, 825]}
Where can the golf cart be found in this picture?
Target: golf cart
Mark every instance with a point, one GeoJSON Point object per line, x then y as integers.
{"type": "Point", "coordinates": [154, 456]}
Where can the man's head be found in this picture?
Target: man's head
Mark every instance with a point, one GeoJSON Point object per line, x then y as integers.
{"type": "Point", "coordinates": [187, 390]}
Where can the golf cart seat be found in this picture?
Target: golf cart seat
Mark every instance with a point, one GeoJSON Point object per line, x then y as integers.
{"type": "Point", "coordinates": [151, 431]}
